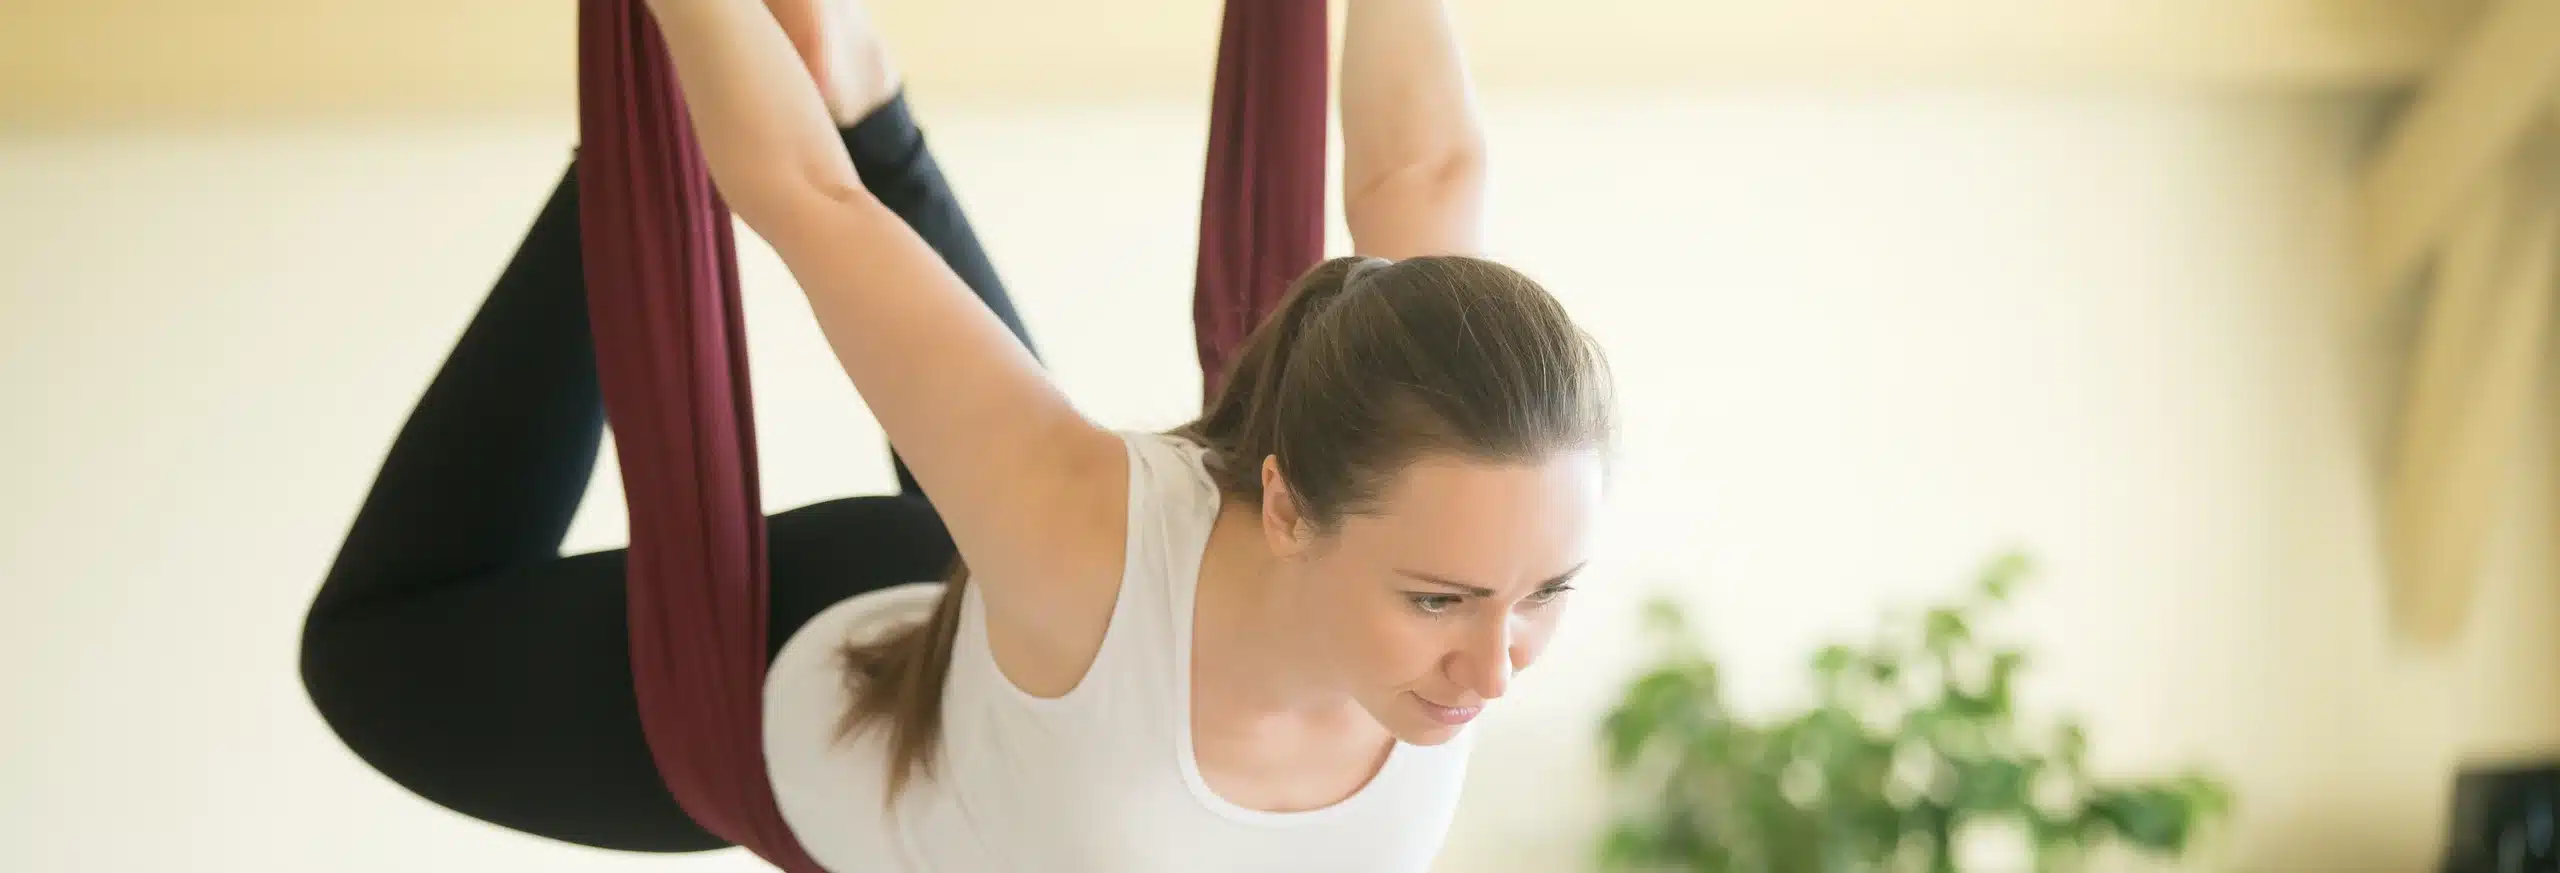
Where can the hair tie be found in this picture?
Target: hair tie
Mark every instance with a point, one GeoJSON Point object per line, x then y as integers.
{"type": "Point", "coordinates": [1362, 267]}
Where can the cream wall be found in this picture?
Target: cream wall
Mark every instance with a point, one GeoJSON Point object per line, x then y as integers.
{"type": "Point", "coordinates": [123, 59]}
{"type": "Point", "coordinates": [1863, 341]}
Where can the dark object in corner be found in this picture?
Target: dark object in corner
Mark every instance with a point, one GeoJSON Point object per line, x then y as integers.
{"type": "Point", "coordinates": [2506, 819]}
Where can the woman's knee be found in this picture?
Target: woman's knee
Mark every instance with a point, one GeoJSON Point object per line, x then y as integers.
{"type": "Point", "coordinates": [329, 667]}
{"type": "Point", "coordinates": [349, 673]}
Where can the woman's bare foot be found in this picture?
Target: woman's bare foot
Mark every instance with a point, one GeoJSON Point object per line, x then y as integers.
{"type": "Point", "coordinates": [844, 51]}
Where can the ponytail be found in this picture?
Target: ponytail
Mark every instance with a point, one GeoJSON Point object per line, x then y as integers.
{"type": "Point", "coordinates": [898, 680]}
{"type": "Point", "coordinates": [1242, 425]}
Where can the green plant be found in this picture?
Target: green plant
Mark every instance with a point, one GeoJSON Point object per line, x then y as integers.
{"type": "Point", "coordinates": [1910, 740]}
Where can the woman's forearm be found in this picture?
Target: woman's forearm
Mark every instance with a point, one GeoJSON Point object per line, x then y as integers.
{"type": "Point", "coordinates": [1413, 147]}
{"type": "Point", "coordinates": [756, 111]}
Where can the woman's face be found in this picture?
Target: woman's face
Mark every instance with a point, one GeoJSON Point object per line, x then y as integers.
{"type": "Point", "coordinates": [1427, 606]}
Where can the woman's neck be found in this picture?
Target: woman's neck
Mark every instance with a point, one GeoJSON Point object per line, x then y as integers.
{"type": "Point", "coordinates": [1252, 659]}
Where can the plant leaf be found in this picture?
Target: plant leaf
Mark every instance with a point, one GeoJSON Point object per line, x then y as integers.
{"type": "Point", "coordinates": [1629, 846]}
{"type": "Point", "coordinates": [1663, 617]}
{"type": "Point", "coordinates": [2004, 574]}
{"type": "Point", "coordinates": [1946, 630]}
{"type": "Point", "coordinates": [1833, 660]}
{"type": "Point", "coordinates": [2155, 817]}
{"type": "Point", "coordinates": [1992, 785]}
{"type": "Point", "coordinates": [2071, 747]}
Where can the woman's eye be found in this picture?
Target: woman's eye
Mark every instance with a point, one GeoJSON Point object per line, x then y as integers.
{"type": "Point", "coordinates": [1546, 595]}
{"type": "Point", "coordinates": [1434, 604]}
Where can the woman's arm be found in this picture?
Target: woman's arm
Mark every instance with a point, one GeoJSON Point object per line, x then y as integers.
{"type": "Point", "coordinates": [1028, 487]}
{"type": "Point", "coordinates": [805, 23]}
{"type": "Point", "coordinates": [1413, 164]}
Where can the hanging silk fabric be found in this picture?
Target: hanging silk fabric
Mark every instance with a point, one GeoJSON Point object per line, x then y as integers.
{"type": "Point", "coordinates": [662, 295]}
{"type": "Point", "coordinates": [1262, 205]}
{"type": "Point", "coordinates": [662, 284]}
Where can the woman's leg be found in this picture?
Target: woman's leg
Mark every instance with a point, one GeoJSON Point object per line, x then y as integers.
{"type": "Point", "coordinates": [451, 646]}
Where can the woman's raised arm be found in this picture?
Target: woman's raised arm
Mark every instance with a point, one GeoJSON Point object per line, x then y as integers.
{"type": "Point", "coordinates": [1413, 162]}
{"type": "Point", "coordinates": [1028, 486]}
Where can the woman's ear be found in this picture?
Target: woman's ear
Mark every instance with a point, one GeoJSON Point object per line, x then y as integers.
{"type": "Point", "coordinates": [1282, 526]}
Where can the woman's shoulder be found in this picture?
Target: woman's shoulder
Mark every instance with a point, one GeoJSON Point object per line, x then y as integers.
{"type": "Point", "coordinates": [1168, 477]}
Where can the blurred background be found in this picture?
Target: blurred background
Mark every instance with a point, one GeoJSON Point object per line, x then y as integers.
{"type": "Point", "coordinates": [2230, 314]}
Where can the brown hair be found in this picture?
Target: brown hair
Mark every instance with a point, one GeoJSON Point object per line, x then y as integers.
{"type": "Point", "coordinates": [1367, 366]}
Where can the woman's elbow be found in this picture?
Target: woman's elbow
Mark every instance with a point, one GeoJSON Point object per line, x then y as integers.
{"type": "Point", "coordinates": [778, 202]}
{"type": "Point", "coordinates": [1459, 170]}
{"type": "Point", "coordinates": [1463, 167]}
{"type": "Point", "coordinates": [1427, 209]}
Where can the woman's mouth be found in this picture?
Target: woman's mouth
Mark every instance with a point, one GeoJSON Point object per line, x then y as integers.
{"type": "Point", "coordinates": [1452, 716]}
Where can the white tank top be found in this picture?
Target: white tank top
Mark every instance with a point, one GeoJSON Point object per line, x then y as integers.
{"type": "Point", "coordinates": [1100, 780]}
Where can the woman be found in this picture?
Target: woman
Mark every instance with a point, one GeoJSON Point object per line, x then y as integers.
{"type": "Point", "coordinates": [1249, 644]}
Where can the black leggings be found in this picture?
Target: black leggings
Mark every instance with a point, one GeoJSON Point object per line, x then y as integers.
{"type": "Point", "coordinates": [455, 650]}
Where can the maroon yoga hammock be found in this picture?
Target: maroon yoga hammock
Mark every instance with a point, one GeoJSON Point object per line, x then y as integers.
{"type": "Point", "coordinates": [662, 285]}
{"type": "Point", "coordinates": [1262, 205]}
{"type": "Point", "coordinates": [662, 293]}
